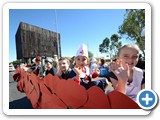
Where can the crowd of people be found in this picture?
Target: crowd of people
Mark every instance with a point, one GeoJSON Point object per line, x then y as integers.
{"type": "Point", "coordinates": [122, 72]}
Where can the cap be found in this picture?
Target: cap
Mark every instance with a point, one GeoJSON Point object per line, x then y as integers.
{"type": "Point", "coordinates": [38, 58]}
{"type": "Point", "coordinates": [48, 59]}
{"type": "Point", "coordinates": [82, 51]}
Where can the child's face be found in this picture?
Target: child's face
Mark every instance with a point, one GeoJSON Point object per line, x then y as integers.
{"type": "Point", "coordinates": [48, 65]}
{"type": "Point", "coordinates": [81, 61]}
{"type": "Point", "coordinates": [129, 56]}
{"type": "Point", "coordinates": [63, 65]}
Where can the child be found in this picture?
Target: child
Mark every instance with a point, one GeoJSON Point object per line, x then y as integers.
{"type": "Point", "coordinates": [36, 67]}
{"type": "Point", "coordinates": [55, 61]}
{"type": "Point", "coordinates": [50, 67]}
{"type": "Point", "coordinates": [80, 73]}
{"type": "Point", "coordinates": [124, 70]}
{"type": "Point", "coordinates": [93, 65]}
{"type": "Point", "coordinates": [64, 69]}
{"type": "Point", "coordinates": [103, 67]}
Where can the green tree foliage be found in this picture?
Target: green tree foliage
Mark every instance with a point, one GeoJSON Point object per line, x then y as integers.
{"type": "Point", "coordinates": [116, 44]}
{"type": "Point", "coordinates": [16, 62]}
{"type": "Point", "coordinates": [90, 54]}
{"type": "Point", "coordinates": [111, 45]}
{"type": "Point", "coordinates": [104, 47]}
{"type": "Point", "coordinates": [133, 27]}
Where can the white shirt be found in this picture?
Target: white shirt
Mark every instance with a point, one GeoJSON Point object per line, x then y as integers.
{"type": "Point", "coordinates": [93, 66]}
{"type": "Point", "coordinates": [133, 89]}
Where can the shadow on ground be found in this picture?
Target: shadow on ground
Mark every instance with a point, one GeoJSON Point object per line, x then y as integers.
{"type": "Point", "coordinates": [22, 103]}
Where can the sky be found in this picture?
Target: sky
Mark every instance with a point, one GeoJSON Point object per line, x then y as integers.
{"type": "Point", "coordinates": [76, 26]}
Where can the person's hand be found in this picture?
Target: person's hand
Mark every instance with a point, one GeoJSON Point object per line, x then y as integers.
{"type": "Point", "coordinates": [97, 70]}
{"type": "Point", "coordinates": [78, 70]}
{"type": "Point", "coordinates": [24, 68]}
{"type": "Point", "coordinates": [122, 72]}
{"type": "Point", "coordinates": [59, 73]}
{"type": "Point", "coordinates": [95, 73]}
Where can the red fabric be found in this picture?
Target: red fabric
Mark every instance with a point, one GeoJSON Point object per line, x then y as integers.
{"type": "Point", "coordinates": [51, 82]}
{"type": "Point", "coordinates": [86, 77]}
{"type": "Point", "coordinates": [77, 81]}
{"type": "Point", "coordinates": [84, 70]}
{"type": "Point", "coordinates": [34, 89]}
{"type": "Point", "coordinates": [49, 100]}
{"type": "Point", "coordinates": [21, 80]}
{"type": "Point", "coordinates": [28, 65]}
{"type": "Point", "coordinates": [72, 94]}
{"type": "Point", "coordinates": [96, 99]}
{"type": "Point", "coordinates": [94, 75]}
{"type": "Point", "coordinates": [59, 93]}
{"type": "Point", "coordinates": [67, 90]}
{"type": "Point", "coordinates": [16, 75]}
{"type": "Point", "coordinates": [38, 58]}
{"type": "Point", "coordinates": [118, 100]}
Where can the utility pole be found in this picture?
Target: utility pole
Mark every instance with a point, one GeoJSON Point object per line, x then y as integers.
{"type": "Point", "coordinates": [56, 25]}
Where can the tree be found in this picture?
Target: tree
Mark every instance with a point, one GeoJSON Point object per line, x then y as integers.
{"type": "Point", "coordinates": [90, 54]}
{"type": "Point", "coordinates": [16, 62]}
{"type": "Point", "coordinates": [104, 47]}
{"type": "Point", "coordinates": [111, 45]}
{"type": "Point", "coordinates": [115, 43]}
{"type": "Point", "coordinates": [133, 27]}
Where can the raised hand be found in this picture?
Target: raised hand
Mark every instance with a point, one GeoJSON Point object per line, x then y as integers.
{"type": "Point", "coordinates": [78, 70]}
{"type": "Point", "coordinates": [122, 72]}
{"type": "Point", "coordinates": [59, 73]}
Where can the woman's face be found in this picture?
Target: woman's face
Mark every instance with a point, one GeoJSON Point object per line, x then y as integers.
{"type": "Point", "coordinates": [63, 65]}
{"type": "Point", "coordinates": [129, 56]}
{"type": "Point", "coordinates": [81, 61]}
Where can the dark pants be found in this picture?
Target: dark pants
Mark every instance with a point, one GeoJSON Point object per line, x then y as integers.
{"type": "Point", "coordinates": [99, 83]}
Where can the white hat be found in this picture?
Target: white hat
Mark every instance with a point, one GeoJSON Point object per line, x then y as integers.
{"type": "Point", "coordinates": [82, 51]}
{"type": "Point", "coordinates": [94, 60]}
{"type": "Point", "coordinates": [49, 59]}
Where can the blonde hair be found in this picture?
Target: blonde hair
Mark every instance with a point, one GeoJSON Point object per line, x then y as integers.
{"type": "Point", "coordinates": [133, 46]}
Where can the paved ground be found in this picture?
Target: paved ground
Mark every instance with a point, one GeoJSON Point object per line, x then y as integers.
{"type": "Point", "coordinates": [17, 100]}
